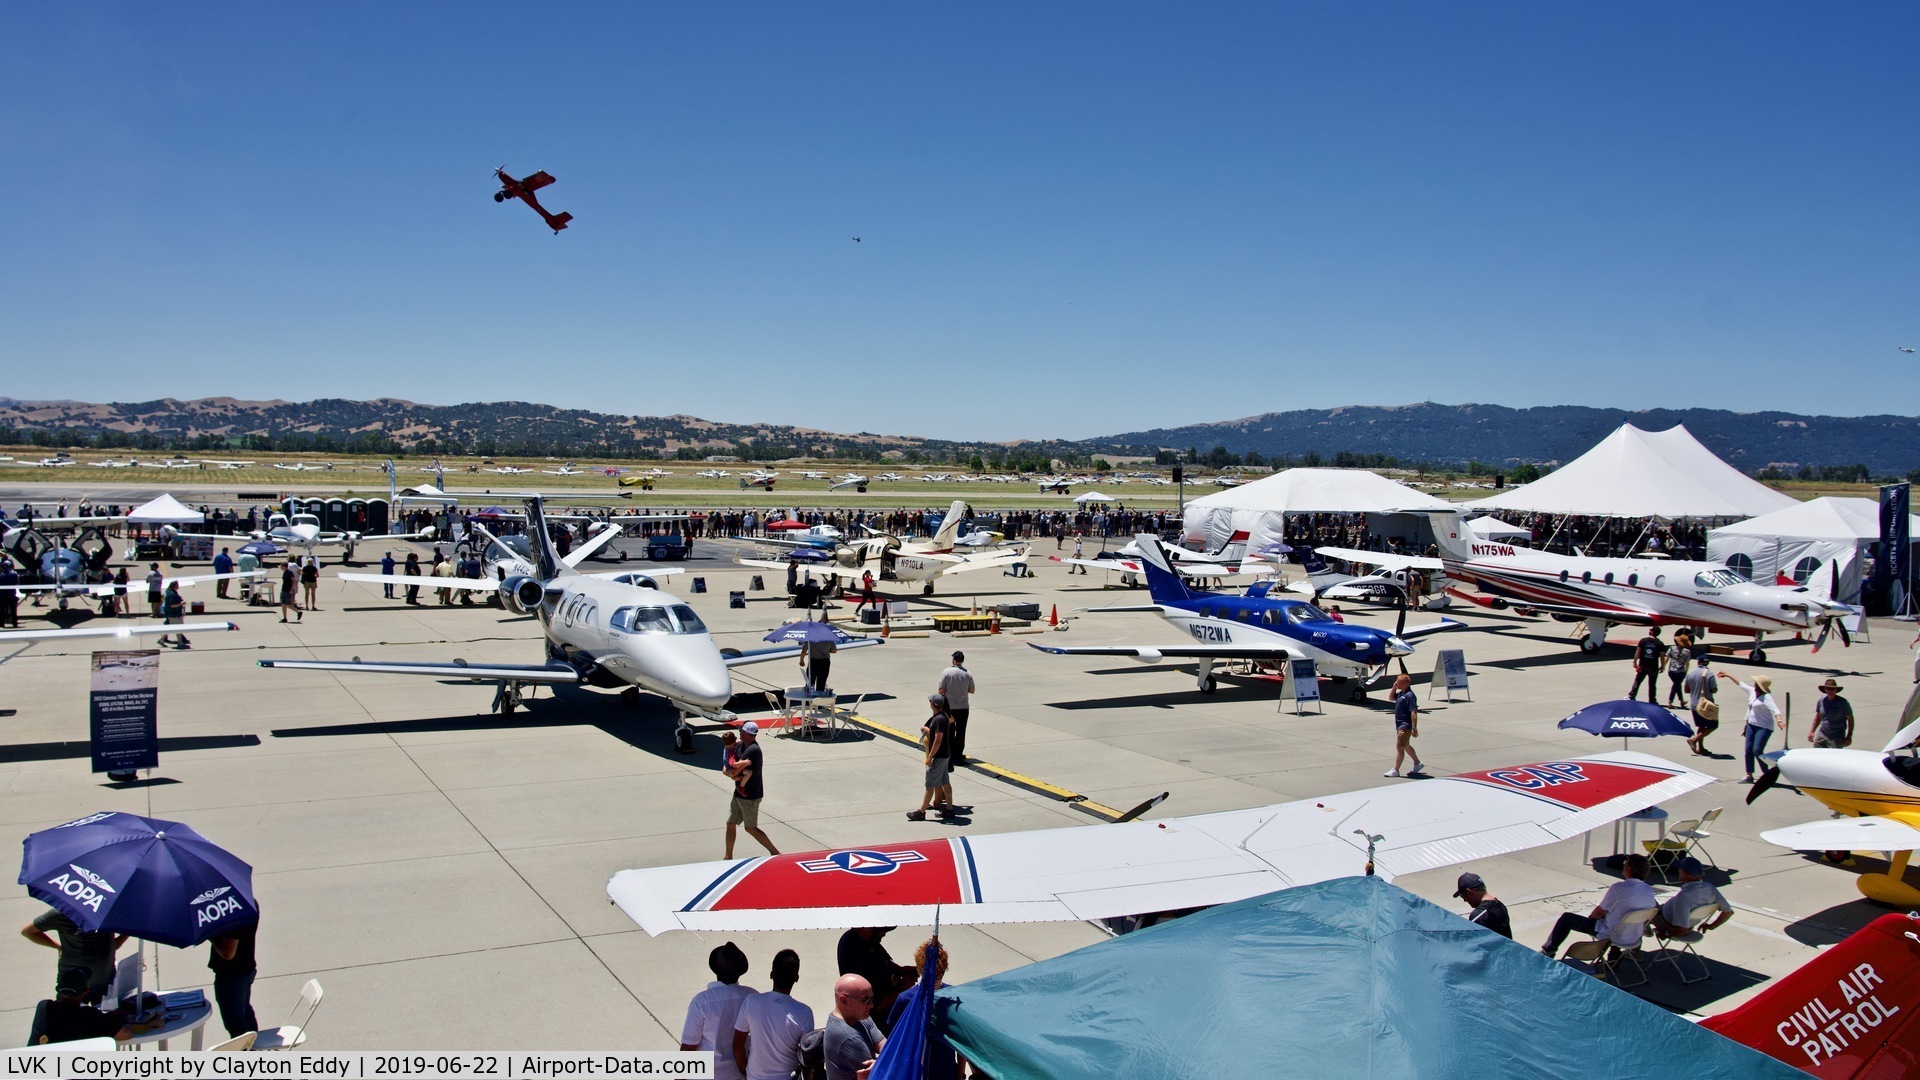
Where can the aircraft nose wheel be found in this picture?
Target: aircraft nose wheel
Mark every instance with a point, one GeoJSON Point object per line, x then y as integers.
{"type": "Point", "coordinates": [1758, 656]}
{"type": "Point", "coordinates": [1357, 695]}
{"type": "Point", "coordinates": [1209, 684]}
{"type": "Point", "coordinates": [683, 737]}
{"type": "Point", "coordinates": [1587, 646]}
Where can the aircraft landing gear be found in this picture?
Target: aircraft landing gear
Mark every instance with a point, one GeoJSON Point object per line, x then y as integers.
{"type": "Point", "coordinates": [927, 589]}
{"type": "Point", "coordinates": [1357, 693]}
{"type": "Point", "coordinates": [1596, 636]}
{"type": "Point", "coordinates": [507, 698]}
{"type": "Point", "coordinates": [683, 736]}
{"type": "Point", "coordinates": [1587, 646]}
{"type": "Point", "coordinates": [631, 696]}
{"type": "Point", "coordinates": [1208, 684]}
{"type": "Point", "coordinates": [499, 196]}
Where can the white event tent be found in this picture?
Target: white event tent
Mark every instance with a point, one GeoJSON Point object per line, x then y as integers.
{"type": "Point", "coordinates": [1092, 497]}
{"type": "Point", "coordinates": [165, 510]}
{"type": "Point", "coordinates": [1258, 508]}
{"type": "Point", "coordinates": [1803, 540]}
{"type": "Point", "coordinates": [1644, 474]}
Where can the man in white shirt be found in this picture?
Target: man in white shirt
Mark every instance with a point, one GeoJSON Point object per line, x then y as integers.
{"type": "Point", "coordinates": [712, 1013]}
{"type": "Point", "coordinates": [956, 683]}
{"type": "Point", "coordinates": [766, 1037]}
{"type": "Point", "coordinates": [1693, 893]}
{"type": "Point", "coordinates": [1624, 897]}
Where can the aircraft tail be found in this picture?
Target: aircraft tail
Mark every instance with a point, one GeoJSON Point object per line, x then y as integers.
{"type": "Point", "coordinates": [1847, 1014]}
{"type": "Point", "coordinates": [1163, 584]}
{"type": "Point", "coordinates": [1235, 549]}
{"type": "Point", "coordinates": [1451, 536]}
{"type": "Point", "coordinates": [546, 558]}
{"type": "Point", "coordinates": [1319, 574]}
{"type": "Point", "coordinates": [559, 221]}
{"type": "Point", "coordinates": [949, 526]}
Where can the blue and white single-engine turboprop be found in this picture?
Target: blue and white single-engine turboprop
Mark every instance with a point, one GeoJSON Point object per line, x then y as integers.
{"type": "Point", "coordinates": [1603, 592]}
{"type": "Point", "coordinates": [1257, 627]}
{"type": "Point", "coordinates": [619, 631]}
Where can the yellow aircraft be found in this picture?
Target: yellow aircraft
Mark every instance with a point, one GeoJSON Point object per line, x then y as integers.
{"type": "Point", "coordinates": [1877, 795]}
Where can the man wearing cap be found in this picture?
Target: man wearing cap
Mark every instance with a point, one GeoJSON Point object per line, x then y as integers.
{"type": "Point", "coordinates": [956, 685]}
{"type": "Point", "coordinates": [1487, 911]}
{"type": "Point", "coordinates": [1700, 687]}
{"type": "Point", "coordinates": [1673, 916]}
{"type": "Point", "coordinates": [712, 1013]}
{"type": "Point", "coordinates": [748, 789]}
{"type": "Point", "coordinates": [1606, 922]}
{"type": "Point", "coordinates": [1832, 719]}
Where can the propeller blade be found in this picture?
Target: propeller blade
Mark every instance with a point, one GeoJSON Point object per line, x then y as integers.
{"type": "Point", "coordinates": [1768, 778]}
{"type": "Point", "coordinates": [1143, 807]}
{"type": "Point", "coordinates": [1826, 627]}
{"type": "Point", "coordinates": [1845, 637]}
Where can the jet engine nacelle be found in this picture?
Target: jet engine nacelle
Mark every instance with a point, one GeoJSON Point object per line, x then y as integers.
{"type": "Point", "coordinates": [523, 594]}
{"type": "Point", "coordinates": [1148, 656]}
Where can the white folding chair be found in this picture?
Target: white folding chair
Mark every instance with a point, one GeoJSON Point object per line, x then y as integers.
{"type": "Point", "coordinates": [1687, 939]}
{"type": "Point", "coordinates": [838, 716]}
{"type": "Point", "coordinates": [1618, 954]}
{"type": "Point", "coordinates": [1691, 833]}
{"type": "Point", "coordinates": [242, 1041]}
{"type": "Point", "coordinates": [289, 1034]}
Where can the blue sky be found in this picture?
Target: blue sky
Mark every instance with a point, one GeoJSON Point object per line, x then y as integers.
{"type": "Point", "coordinates": [1076, 219]}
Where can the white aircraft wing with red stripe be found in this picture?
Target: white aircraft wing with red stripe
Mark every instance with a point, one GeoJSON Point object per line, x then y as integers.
{"type": "Point", "coordinates": [1203, 570]}
{"type": "Point", "coordinates": [1104, 871]}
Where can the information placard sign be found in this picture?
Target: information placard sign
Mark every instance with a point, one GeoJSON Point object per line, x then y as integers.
{"type": "Point", "coordinates": [1449, 673]}
{"type": "Point", "coordinates": [124, 710]}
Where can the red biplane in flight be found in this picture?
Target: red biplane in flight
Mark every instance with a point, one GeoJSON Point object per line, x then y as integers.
{"type": "Point", "coordinates": [524, 189]}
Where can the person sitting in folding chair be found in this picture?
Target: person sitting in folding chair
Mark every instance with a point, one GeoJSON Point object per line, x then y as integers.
{"type": "Point", "coordinates": [1608, 921]}
{"type": "Point", "coordinates": [1693, 894]}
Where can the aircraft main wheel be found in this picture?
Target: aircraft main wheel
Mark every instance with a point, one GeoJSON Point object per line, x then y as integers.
{"type": "Point", "coordinates": [927, 590]}
{"type": "Point", "coordinates": [1758, 656]}
{"type": "Point", "coordinates": [499, 196]}
{"type": "Point", "coordinates": [1208, 685]}
{"type": "Point", "coordinates": [1587, 646]}
{"type": "Point", "coordinates": [1357, 695]}
{"type": "Point", "coordinates": [683, 740]}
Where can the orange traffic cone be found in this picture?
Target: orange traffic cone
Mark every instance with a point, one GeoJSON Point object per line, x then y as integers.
{"type": "Point", "coordinates": [974, 607]}
{"type": "Point", "coordinates": [1053, 616]}
{"type": "Point", "coordinates": [886, 628]}
{"type": "Point", "coordinates": [994, 627]}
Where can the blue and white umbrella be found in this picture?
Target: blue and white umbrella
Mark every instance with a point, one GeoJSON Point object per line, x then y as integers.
{"type": "Point", "coordinates": [1627, 719]}
{"type": "Point", "coordinates": [808, 630]}
{"type": "Point", "coordinates": [150, 879]}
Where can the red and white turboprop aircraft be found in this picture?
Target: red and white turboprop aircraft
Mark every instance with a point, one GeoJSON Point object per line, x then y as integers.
{"type": "Point", "coordinates": [1136, 867]}
{"type": "Point", "coordinates": [1604, 592]}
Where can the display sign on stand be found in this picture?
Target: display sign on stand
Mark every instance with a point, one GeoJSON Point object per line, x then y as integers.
{"type": "Point", "coordinates": [1450, 674]}
{"type": "Point", "coordinates": [124, 712]}
{"type": "Point", "coordinates": [1304, 681]}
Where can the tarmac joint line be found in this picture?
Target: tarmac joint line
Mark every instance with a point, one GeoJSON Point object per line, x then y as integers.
{"type": "Point", "coordinates": [987, 768]}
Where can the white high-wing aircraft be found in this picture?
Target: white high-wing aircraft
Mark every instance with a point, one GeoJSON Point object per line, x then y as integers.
{"type": "Point", "coordinates": [54, 462]}
{"type": "Point", "coordinates": [850, 480]}
{"type": "Point", "coordinates": [508, 470]}
{"type": "Point", "coordinates": [306, 466]}
{"type": "Point", "coordinates": [1385, 585]}
{"type": "Point", "coordinates": [763, 478]}
{"type": "Point", "coordinates": [713, 474]}
{"type": "Point", "coordinates": [620, 632]}
{"type": "Point", "coordinates": [225, 464]}
{"type": "Point", "coordinates": [1127, 868]}
{"type": "Point", "coordinates": [1059, 485]}
{"type": "Point", "coordinates": [1231, 560]}
{"type": "Point", "coordinates": [303, 531]}
{"type": "Point", "coordinates": [126, 632]}
{"type": "Point", "coordinates": [889, 477]}
{"type": "Point", "coordinates": [811, 474]}
{"type": "Point", "coordinates": [564, 470]}
{"type": "Point", "coordinates": [1603, 592]}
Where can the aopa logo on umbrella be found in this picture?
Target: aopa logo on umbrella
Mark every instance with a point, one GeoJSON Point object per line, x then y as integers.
{"type": "Point", "coordinates": [218, 905]}
{"type": "Point", "coordinates": [1631, 725]}
{"type": "Point", "coordinates": [83, 885]}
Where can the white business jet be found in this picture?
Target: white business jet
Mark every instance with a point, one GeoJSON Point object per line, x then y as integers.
{"type": "Point", "coordinates": [1603, 592]}
{"type": "Point", "coordinates": [303, 531]}
{"type": "Point", "coordinates": [617, 632]}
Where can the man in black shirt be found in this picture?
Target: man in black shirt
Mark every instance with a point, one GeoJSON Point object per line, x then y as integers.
{"type": "Point", "coordinates": [232, 963]}
{"type": "Point", "coordinates": [1487, 911]}
{"type": "Point", "coordinates": [861, 953]}
{"type": "Point", "coordinates": [65, 1018]}
{"type": "Point", "coordinates": [90, 952]}
{"type": "Point", "coordinates": [1647, 653]}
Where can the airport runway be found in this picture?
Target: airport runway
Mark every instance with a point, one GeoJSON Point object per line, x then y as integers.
{"type": "Point", "coordinates": [442, 870]}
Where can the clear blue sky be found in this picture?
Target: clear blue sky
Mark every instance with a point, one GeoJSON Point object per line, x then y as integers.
{"type": "Point", "coordinates": [1076, 219]}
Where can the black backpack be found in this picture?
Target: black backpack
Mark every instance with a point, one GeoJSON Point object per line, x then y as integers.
{"type": "Point", "coordinates": [812, 1051]}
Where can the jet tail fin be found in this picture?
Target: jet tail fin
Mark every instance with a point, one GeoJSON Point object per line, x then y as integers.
{"type": "Point", "coordinates": [1163, 584]}
{"type": "Point", "coordinates": [949, 526]}
{"type": "Point", "coordinates": [1847, 1013]}
{"type": "Point", "coordinates": [546, 558]}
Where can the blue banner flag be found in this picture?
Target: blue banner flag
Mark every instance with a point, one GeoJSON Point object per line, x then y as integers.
{"type": "Point", "coordinates": [1893, 570]}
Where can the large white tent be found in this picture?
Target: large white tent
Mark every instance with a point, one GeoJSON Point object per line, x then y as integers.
{"type": "Point", "coordinates": [1258, 508]}
{"type": "Point", "coordinates": [165, 510]}
{"type": "Point", "coordinates": [1641, 474]}
{"type": "Point", "coordinates": [1804, 540]}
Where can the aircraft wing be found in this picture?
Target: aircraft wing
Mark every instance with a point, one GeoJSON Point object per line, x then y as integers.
{"type": "Point", "coordinates": [824, 569]}
{"type": "Point", "coordinates": [616, 575]}
{"type": "Point", "coordinates": [1184, 569]}
{"type": "Point", "coordinates": [1104, 871]}
{"type": "Point", "coordinates": [1154, 653]}
{"type": "Point", "coordinates": [1848, 834]}
{"type": "Point", "coordinates": [968, 563]}
{"type": "Point", "coordinates": [601, 538]}
{"type": "Point", "coordinates": [1424, 629]}
{"type": "Point", "coordinates": [536, 181]}
{"type": "Point", "coordinates": [440, 669]}
{"type": "Point", "coordinates": [784, 652]}
{"type": "Point", "coordinates": [191, 580]}
{"type": "Point", "coordinates": [1381, 558]}
{"type": "Point", "coordinates": [134, 630]}
{"type": "Point", "coordinates": [425, 581]}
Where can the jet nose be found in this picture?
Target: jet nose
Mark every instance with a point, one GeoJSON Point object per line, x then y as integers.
{"type": "Point", "coordinates": [692, 672]}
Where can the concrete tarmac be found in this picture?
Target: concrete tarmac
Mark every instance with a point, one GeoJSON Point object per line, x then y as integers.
{"type": "Point", "coordinates": [441, 870]}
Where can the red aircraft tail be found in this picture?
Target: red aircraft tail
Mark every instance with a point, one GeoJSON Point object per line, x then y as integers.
{"type": "Point", "coordinates": [556, 222]}
{"type": "Point", "coordinates": [1847, 1014]}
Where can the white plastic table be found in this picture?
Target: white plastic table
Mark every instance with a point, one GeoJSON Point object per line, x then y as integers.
{"type": "Point", "coordinates": [1630, 826]}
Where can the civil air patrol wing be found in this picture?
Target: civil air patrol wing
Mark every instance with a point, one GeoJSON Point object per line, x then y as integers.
{"type": "Point", "coordinates": [1105, 871]}
{"type": "Point", "coordinates": [136, 630]}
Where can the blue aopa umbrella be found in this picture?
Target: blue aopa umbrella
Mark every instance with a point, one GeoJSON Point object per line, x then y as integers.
{"type": "Point", "coordinates": [1627, 719]}
{"type": "Point", "coordinates": [808, 630]}
{"type": "Point", "coordinates": [151, 879]}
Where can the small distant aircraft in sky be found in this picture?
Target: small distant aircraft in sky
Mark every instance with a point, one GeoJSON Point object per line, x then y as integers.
{"type": "Point", "coordinates": [1906, 348]}
{"type": "Point", "coordinates": [523, 190]}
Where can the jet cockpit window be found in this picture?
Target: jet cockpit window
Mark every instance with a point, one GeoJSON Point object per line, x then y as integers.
{"type": "Point", "coordinates": [1904, 768]}
{"type": "Point", "coordinates": [686, 621]}
{"type": "Point", "coordinates": [622, 619]}
{"type": "Point", "coordinates": [651, 620]}
{"type": "Point", "coordinates": [1305, 613]}
{"type": "Point", "coordinates": [1717, 579]}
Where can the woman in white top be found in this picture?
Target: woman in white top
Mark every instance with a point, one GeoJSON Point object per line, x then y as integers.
{"type": "Point", "coordinates": [1763, 718]}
